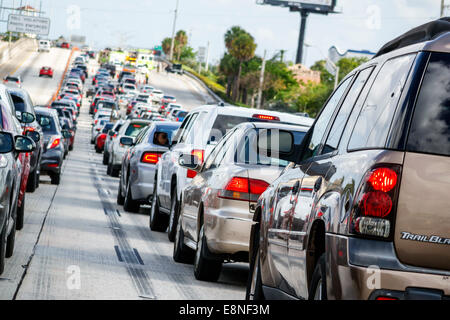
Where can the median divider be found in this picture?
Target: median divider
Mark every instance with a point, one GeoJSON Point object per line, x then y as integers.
{"type": "Point", "coordinates": [53, 98]}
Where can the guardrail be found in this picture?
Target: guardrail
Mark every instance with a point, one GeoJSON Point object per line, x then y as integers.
{"type": "Point", "coordinates": [210, 92]}
{"type": "Point", "coordinates": [16, 46]}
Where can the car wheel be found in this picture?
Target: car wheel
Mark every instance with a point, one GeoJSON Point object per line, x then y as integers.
{"type": "Point", "coordinates": [98, 150]}
{"type": "Point", "coordinates": [205, 269]}
{"type": "Point", "coordinates": [109, 169]}
{"type": "Point", "coordinates": [181, 252]}
{"type": "Point", "coordinates": [120, 197]}
{"type": "Point", "coordinates": [71, 148]}
{"type": "Point", "coordinates": [105, 158]}
{"type": "Point", "coordinates": [129, 204]}
{"type": "Point", "coordinates": [31, 184]}
{"type": "Point", "coordinates": [11, 238]}
{"type": "Point", "coordinates": [158, 220]}
{"type": "Point", "coordinates": [2, 248]}
{"type": "Point", "coordinates": [318, 289]}
{"type": "Point", "coordinates": [20, 214]}
{"type": "Point", "coordinates": [114, 172]}
{"type": "Point", "coordinates": [56, 178]}
{"type": "Point", "coordinates": [254, 282]}
{"type": "Point", "coordinates": [173, 218]}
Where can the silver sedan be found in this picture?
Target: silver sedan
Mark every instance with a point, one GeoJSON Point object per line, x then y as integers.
{"type": "Point", "coordinates": [139, 164]}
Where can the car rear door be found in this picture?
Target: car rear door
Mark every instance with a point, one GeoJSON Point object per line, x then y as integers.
{"type": "Point", "coordinates": [422, 227]}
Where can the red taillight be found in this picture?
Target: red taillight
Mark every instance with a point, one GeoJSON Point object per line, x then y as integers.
{"type": "Point", "coordinates": [150, 157]}
{"type": "Point", "coordinates": [53, 165]}
{"type": "Point", "coordinates": [375, 202]}
{"type": "Point", "coordinates": [385, 298]}
{"type": "Point", "coordinates": [95, 122]}
{"type": "Point", "coordinates": [266, 117]}
{"type": "Point", "coordinates": [55, 143]}
{"type": "Point", "coordinates": [383, 179]}
{"type": "Point", "coordinates": [178, 119]}
{"type": "Point", "coordinates": [200, 155]}
{"type": "Point", "coordinates": [240, 188]}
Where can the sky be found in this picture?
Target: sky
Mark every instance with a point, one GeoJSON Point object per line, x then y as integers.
{"type": "Point", "coordinates": [360, 25]}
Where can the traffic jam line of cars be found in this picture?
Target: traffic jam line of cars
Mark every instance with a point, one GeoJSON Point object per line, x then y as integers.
{"type": "Point", "coordinates": [34, 141]}
{"type": "Point", "coordinates": [312, 205]}
{"type": "Point", "coordinates": [362, 185]}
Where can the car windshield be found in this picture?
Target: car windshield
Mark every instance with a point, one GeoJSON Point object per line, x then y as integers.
{"type": "Point", "coordinates": [9, 78]}
{"type": "Point", "coordinates": [167, 131]}
{"type": "Point", "coordinates": [106, 105]}
{"type": "Point", "coordinates": [107, 127]}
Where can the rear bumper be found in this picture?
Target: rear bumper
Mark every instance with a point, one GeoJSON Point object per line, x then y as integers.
{"type": "Point", "coordinates": [51, 161]}
{"type": "Point", "coordinates": [142, 185]}
{"type": "Point", "coordinates": [368, 269]}
{"type": "Point", "coordinates": [228, 230]}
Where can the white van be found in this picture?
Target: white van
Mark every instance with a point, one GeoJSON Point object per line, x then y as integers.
{"type": "Point", "coordinates": [44, 45]}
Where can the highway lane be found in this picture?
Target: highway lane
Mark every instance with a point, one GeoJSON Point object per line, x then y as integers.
{"type": "Point", "coordinates": [78, 244]}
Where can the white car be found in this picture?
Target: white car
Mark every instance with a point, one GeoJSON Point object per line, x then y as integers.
{"type": "Point", "coordinates": [147, 89]}
{"type": "Point", "coordinates": [129, 88]}
{"type": "Point", "coordinates": [157, 95]}
{"type": "Point", "coordinates": [44, 45]}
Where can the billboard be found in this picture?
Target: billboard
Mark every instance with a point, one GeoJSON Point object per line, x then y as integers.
{"type": "Point", "coordinates": [28, 24]}
{"type": "Point", "coordinates": [311, 5]}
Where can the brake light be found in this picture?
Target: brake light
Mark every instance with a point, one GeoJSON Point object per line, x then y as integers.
{"type": "Point", "coordinates": [375, 202]}
{"type": "Point", "coordinates": [385, 298]}
{"type": "Point", "coordinates": [54, 143]}
{"type": "Point", "coordinates": [241, 188]}
{"type": "Point", "coordinates": [200, 155]}
{"type": "Point", "coordinates": [95, 122]}
{"type": "Point", "coordinates": [178, 119]}
{"type": "Point", "coordinates": [265, 117]}
{"type": "Point", "coordinates": [150, 157]}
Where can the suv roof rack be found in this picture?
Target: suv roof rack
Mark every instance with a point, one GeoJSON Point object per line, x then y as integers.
{"type": "Point", "coordinates": [425, 32]}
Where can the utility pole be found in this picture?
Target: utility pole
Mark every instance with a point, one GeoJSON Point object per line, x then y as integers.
{"type": "Point", "coordinates": [207, 57]}
{"type": "Point", "coordinates": [301, 38]}
{"type": "Point", "coordinates": [173, 31]}
{"type": "Point", "coordinates": [261, 81]}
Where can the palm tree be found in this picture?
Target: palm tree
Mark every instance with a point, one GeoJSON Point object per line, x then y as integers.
{"type": "Point", "coordinates": [242, 48]}
{"type": "Point", "coordinates": [181, 40]}
{"type": "Point", "coordinates": [232, 34]}
{"type": "Point", "coordinates": [166, 43]}
{"type": "Point", "coordinates": [228, 66]}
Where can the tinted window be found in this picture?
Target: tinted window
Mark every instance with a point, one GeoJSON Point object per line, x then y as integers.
{"type": "Point", "coordinates": [321, 124]}
{"type": "Point", "coordinates": [224, 123]}
{"type": "Point", "coordinates": [50, 127]}
{"type": "Point", "coordinates": [372, 127]}
{"type": "Point", "coordinates": [134, 129]}
{"type": "Point", "coordinates": [430, 128]}
{"type": "Point", "coordinates": [19, 103]}
{"type": "Point", "coordinates": [344, 112]}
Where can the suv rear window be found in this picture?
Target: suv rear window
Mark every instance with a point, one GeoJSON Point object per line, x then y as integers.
{"type": "Point", "coordinates": [374, 121]}
{"type": "Point", "coordinates": [430, 128]}
{"type": "Point", "coordinates": [224, 123]}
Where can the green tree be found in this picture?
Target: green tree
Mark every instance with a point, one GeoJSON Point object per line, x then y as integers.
{"type": "Point", "coordinates": [228, 67]}
{"type": "Point", "coordinates": [187, 54]}
{"type": "Point", "coordinates": [181, 40]}
{"type": "Point", "coordinates": [243, 49]}
{"type": "Point", "coordinates": [232, 34]}
{"type": "Point", "coordinates": [166, 43]}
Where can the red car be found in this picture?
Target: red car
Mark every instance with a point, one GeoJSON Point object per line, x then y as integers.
{"type": "Point", "coordinates": [65, 45]}
{"type": "Point", "coordinates": [100, 142]}
{"type": "Point", "coordinates": [46, 71]}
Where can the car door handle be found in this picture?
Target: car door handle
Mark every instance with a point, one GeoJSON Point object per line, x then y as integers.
{"type": "Point", "coordinates": [318, 184]}
{"type": "Point", "coordinates": [296, 187]}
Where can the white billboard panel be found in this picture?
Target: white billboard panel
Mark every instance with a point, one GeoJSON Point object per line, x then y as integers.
{"type": "Point", "coordinates": [28, 24]}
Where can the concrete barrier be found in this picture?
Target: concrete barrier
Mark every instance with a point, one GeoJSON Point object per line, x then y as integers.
{"type": "Point", "coordinates": [16, 47]}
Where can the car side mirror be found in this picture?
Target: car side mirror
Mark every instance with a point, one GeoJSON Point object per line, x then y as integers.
{"type": "Point", "coordinates": [25, 117]}
{"type": "Point", "coordinates": [126, 141]}
{"type": "Point", "coordinates": [44, 121]}
{"type": "Point", "coordinates": [189, 161]}
{"type": "Point", "coordinates": [24, 144]}
{"type": "Point", "coordinates": [6, 142]}
{"type": "Point", "coordinates": [66, 134]}
{"type": "Point", "coordinates": [111, 133]}
{"type": "Point", "coordinates": [34, 135]}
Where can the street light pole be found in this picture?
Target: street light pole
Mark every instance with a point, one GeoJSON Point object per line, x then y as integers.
{"type": "Point", "coordinates": [173, 32]}
{"type": "Point", "coordinates": [261, 81]}
{"type": "Point", "coordinates": [301, 38]}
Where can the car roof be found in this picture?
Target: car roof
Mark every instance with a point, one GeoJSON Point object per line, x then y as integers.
{"type": "Point", "coordinates": [249, 112]}
{"type": "Point", "coordinates": [273, 125]}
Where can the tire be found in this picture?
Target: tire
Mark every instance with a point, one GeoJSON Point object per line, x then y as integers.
{"type": "Point", "coordinates": [120, 198]}
{"type": "Point", "coordinates": [32, 178]}
{"type": "Point", "coordinates": [173, 218]}
{"type": "Point", "coordinates": [109, 169]}
{"type": "Point", "coordinates": [20, 215]}
{"type": "Point", "coordinates": [11, 240]}
{"type": "Point", "coordinates": [130, 205]}
{"type": "Point", "coordinates": [254, 283]}
{"type": "Point", "coordinates": [71, 148]}
{"type": "Point", "coordinates": [56, 178]}
{"type": "Point", "coordinates": [105, 158]}
{"type": "Point", "coordinates": [318, 290]}
{"type": "Point", "coordinates": [181, 252]}
{"type": "Point", "coordinates": [205, 269]}
{"type": "Point", "coordinates": [98, 150]}
{"type": "Point", "coordinates": [158, 220]}
{"type": "Point", "coordinates": [2, 249]}
{"type": "Point", "coordinates": [114, 172]}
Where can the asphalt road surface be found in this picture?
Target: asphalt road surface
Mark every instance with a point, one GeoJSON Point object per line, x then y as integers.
{"type": "Point", "coordinates": [78, 244]}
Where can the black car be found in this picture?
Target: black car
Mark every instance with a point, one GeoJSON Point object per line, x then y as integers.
{"type": "Point", "coordinates": [54, 149]}
{"type": "Point", "coordinates": [23, 103]}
